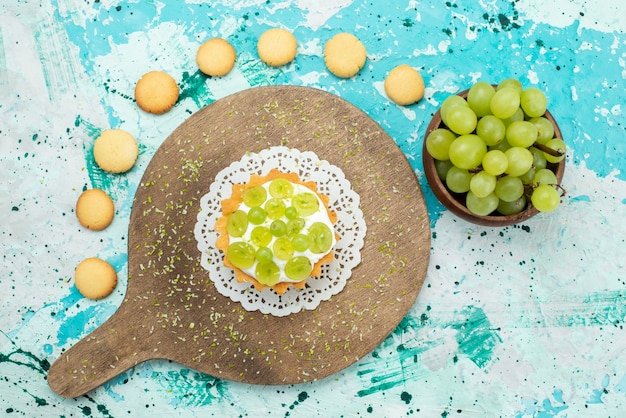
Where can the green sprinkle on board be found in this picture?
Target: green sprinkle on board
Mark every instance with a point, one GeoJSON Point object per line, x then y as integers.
{"type": "Point", "coordinates": [172, 310]}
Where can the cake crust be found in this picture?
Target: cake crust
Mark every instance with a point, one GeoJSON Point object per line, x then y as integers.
{"type": "Point", "coordinates": [232, 203]}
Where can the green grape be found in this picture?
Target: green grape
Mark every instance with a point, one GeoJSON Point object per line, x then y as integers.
{"type": "Point", "coordinates": [458, 179]}
{"type": "Point", "coordinates": [539, 160]}
{"type": "Point", "coordinates": [438, 142]}
{"type": "Point", "coordinates": [301, 242]}
{"type": "Point", "coordinates": [449, 103]}
{"type": "Point", "coordinates": [512, 208]}
{"type": "Point", "coordinates": [487, 149]}
{"type": "Point", "coordinates": [520, 161]}
{"type": "Point", "coordinates": [533, 102]}
{"type": "Point", "coordinates": [557, 145]}
{"type": "Point", "coordinates": [237, 223]}
{"type": "Point", "coordinates": [263, 255]}
{"type": "Point", "coordinates": [278, 228]}
{"type": "Point", "coordinates": [521, 133]}
{"type": "Point", "coordinates": [283, 248]}
{"type": "Point", "coordinates": [240, 254]}
{"type": "Point", "coordinates": [545, 129]}
{"type": "Point", "coordinates": [481, 206]}
{"type": "Point", "coordinates": [502, 146]}
{"type": "Point", "coordinates": [491, 130]}
{"type": "Point", "coordinates": [545, 198]}
{"type": "Point", "coordinates": [479, 96]}
{"type": "Point", "coordinates": [495, 162]}
{"type": "Point", "coordinates": [257, 215]}
{"type": "Point", "coordinates": [275, 208]}
{"type": "Point", "coordinates": [294, 226]}
{"type": "Point", "coordinates": [544, 176]}
{"type": "Point", "coordinates": [505, 102]}
{"type": "Point", "coordinates": [482, 184]}
{"type": "Point", "coordinates": [298, 268]}
{"type": "Point", "coordinates": [442, 168]}
{"type": "Point", "coordinates": [517, 116]}
{"type": "Point", "coordinates": [291, 212]}
{"type": "Point", "coordinates": [467, 151]}
{"type": "Point", "coordinates": [513, 83]}
{"type": "Point", "coordinates": [260, 236]}
{"type": "Point", "coordinates": [306, 203]}
{"type": "Point", "coordinates": [509, 188]}
{"type": "Point", "coordinates": [527, 177]}
{"type": "Point", "coordinates": [461, 120]}
{"type": "Point", "coordinates": [321, 238]}
{"type": "Point", "coordinates": [281, 188]}
{"type": "Point", "coordinates": [267, 273]}
{"type": "Point", "coordinates": [254, 196]}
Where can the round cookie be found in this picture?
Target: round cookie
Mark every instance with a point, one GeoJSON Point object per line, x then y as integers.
{"type": "Point", "coordinates": [156, 92]}
{"type": "Point", "coordinates": [95, 278]}
{"type": "Point", "coordinates": [404, 85]}
{"type": "Point", "coordinates": [277, 47]}
{"type": "Point", "coordinates": [95, 209]}
{"type": "Point", "coordinates": [344, 55]}
{"type": "Point", "coordinates": [115, 151]}
{"type": "Point", "coordinates": [216, 57]}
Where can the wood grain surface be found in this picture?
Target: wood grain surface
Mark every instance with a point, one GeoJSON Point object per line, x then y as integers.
{"type": "Point", "coordinates": [172, 310]}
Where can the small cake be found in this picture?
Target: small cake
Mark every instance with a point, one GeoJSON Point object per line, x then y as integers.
{"type": "Point", "coordinates": [95, 209]}
{"type": "Point", "coordinates": [276, 231]}
{"type": "Point", "coordinates": [95, 278]}
{"type": "Point", "coordinates": [404, 85]}
{"type": "Point", "coordinates": [277, 46]}
{"type": "Point", "coordinates": [115, 151]}
{"type": "Point", "coordinates": [156, 92]}
{"type": "Point", "coordinates": [216, 57]}
{"type": "Point", "coordinates": [344, 55]}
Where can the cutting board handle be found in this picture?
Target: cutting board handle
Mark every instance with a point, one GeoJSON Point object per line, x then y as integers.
{"type": "Point", "coordinates": [108, 351]}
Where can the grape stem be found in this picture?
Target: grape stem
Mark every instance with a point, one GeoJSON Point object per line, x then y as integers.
{"type": "Point", "coordinates": [528, 189]}
{"type": "Point", "coordinates": [553, 152]}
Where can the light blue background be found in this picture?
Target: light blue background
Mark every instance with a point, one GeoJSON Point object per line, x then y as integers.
{"type": "Point", "coordinates": [519, 321]}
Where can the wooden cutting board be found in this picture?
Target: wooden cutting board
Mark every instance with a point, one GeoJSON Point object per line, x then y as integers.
{"type": "Point", "coordinates": [172, 310]}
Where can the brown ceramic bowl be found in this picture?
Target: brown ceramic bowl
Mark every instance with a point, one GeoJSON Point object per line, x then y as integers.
{"type": "Point", "coordinates": [456, 202]}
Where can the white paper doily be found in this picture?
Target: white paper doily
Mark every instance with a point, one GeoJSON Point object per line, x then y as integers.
{"type": "Point", "coordinates": [350, 226]}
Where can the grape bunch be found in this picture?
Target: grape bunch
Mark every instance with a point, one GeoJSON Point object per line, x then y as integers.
{"type": "Point", "coordinates": [496, 147]}
{"type": "Point", "coordinates": [277, 231]}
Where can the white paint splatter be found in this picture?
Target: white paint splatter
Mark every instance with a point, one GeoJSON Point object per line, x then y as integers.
{"type": "Point", "coordinates": [318, 12]}
{"type": "Point", "coordinates": [431, 50]}
{"type": "Point", "coordinates": [600, 15]}
{"type": "Point", "coordinates": [444, 45]}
